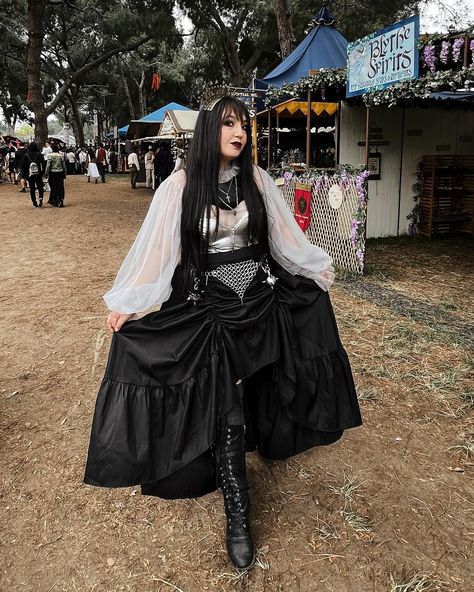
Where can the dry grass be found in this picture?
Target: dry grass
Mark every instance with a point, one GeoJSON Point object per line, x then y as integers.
{"type": "Point", "coordinates": [396, 492]}
{"type": "Point", "coordinates": [419, 582]}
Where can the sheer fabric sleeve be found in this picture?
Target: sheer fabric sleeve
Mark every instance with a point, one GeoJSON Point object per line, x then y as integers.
{"type": "Point", "coordinates": [288, 243]}
{"type": "Point", "coordinates": [144, 279]}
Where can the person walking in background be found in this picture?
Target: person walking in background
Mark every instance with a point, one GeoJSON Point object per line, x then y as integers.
{"type": "Point", "coordinates": [91, 164]}
{"type": "Point", "coordinates": [163, 164]}
{"type": "Point", "coordinates": [12, 165]}
{"type": "Point", "coordinates": [56, 173]}
{"type": "Point", "coordinates": [45, 151]}
{"type": "Point", "coordinates": [149, 167]}
{"type": "Point", "coordinates": [101, 161]}
{"type": "Point", "coordinates": [70, 162]}
{"type": "Point", "coordinates": [134, 167]}
{"type": "Point", "coordinates": [33, 167]}
{"type": "Point", "coordinates": [20, 155]}
{"type": "Point", "coordinates": [82, 157]}
{"type": "Point", "coordinates": [113, 160]}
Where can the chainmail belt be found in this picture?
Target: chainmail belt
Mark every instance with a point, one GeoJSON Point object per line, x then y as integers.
{"type": "Point", "coordinates": [238, 276]}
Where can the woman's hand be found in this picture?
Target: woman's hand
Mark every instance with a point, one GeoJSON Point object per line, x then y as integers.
{"type": "Point", "coordinates": [115, 320]}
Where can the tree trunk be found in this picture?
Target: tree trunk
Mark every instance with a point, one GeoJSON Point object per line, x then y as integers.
{"type": "Point", "coordinates": [77, 123]}
{"type": "Point", "coordinates": [285, 28]}
{"type": "Point", "coordinates": [232, 55]}
{"type": "Point", "coordinates": [126, 91]}
{"type": "Point", "coordinates": [141, 97]}
{"type": "Point", "coordinates": [36, 9]}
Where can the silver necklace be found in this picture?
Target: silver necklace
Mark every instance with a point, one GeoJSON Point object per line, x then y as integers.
{"type": "Point", "coordinates": [227, 193]}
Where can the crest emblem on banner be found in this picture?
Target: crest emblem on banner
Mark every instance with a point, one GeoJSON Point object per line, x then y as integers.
{"type": "Point", "coordinates": [303, 205]}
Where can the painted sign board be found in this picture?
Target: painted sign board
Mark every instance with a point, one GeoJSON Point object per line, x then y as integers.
{"type": "Point", "coordinates": [383, 58]}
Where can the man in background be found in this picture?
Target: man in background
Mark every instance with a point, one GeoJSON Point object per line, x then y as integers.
{"type": "Point", "coordinates": [101, 157]}
{"type": "Point", "coordinates": [149, 167]}
{"type": "Point", "coordinates": [134, 167]}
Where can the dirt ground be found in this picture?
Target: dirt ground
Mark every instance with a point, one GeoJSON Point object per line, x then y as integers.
{"type": "Point", "coordinates": [387, 508]}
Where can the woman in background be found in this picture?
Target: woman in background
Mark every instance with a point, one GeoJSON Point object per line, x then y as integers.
{"type": "Point", "coordinates": [91, 165]}
{"type": "Point", "coordinates": [56, 174]}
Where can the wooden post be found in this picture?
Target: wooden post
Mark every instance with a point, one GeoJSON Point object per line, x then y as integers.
{"type": "Point", "coordinates": [254, 140]}
{"type": "Point", "coordinates": [338, 133]}
{"type": "Point", "coordinates": [466, 47]}
{"type": "Point", "coordinates": [269, 139]}
{"type": "Point", "coordinates": [308, 132]}
{"type": "Point", "coordinates": [367, 147]}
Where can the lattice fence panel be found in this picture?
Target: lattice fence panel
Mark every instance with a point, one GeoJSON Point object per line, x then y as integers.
{"type": "Point", "coordinates": [330, 228]}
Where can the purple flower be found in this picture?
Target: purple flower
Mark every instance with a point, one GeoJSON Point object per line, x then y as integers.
{"type": "Point", "coordinates": [429, 57]}
{"type": "Point", "coordinates": [354, 232]}
{"type": "Point", "coordinates": [458, 44]}
{"type": "Point", "coordinates": [344, 179]}
{"type": "Point", "coordinates": [471, 47]}
{"type": "Point", "coordinates": [287, 177]}
{"type": "Point", "coordinates": [444, 53]}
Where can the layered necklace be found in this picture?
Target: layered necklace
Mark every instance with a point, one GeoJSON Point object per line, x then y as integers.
{"type": "Point", "coordinates": [225, 196]}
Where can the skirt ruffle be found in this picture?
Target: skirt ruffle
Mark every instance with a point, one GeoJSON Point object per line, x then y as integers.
{"type": "Point", "coordinates": [171, 376]}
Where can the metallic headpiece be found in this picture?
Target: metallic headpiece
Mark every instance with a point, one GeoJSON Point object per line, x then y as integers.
{"type": "Point", "coordinates": [212, 95]}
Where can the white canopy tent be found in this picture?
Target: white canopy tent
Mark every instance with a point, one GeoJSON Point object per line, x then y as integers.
{"type": "Point", "coordinates": [178, 124]}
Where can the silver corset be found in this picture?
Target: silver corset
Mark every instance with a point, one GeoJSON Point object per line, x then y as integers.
{"type": "Point", "coordinates": [228, 238]}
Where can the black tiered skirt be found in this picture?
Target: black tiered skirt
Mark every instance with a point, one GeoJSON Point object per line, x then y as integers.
{"type": "Point", "coordinates": [171, 380]}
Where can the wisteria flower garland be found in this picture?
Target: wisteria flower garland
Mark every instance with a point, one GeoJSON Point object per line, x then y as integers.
{"type": "Point", "coordinates": [429, 57]}
{"type": "Point", "coordinates": [414, 215]}
{"type": "Point", "coordinates": [458, 44]}
{"type": "Point", "coordinates": [357, 232]}
{"type": "Point", "coordinates": [444, 53]}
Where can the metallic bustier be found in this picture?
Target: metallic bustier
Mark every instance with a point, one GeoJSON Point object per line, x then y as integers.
{"type": "Point", "coordinates": [228, 238]}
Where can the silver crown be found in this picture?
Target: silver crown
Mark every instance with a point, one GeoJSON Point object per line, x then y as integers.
{"type": "Point", "coordinates": [212, 95]}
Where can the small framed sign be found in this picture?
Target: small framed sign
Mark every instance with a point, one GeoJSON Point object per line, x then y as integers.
{"type": "Point", "coordinates": [374, 166]}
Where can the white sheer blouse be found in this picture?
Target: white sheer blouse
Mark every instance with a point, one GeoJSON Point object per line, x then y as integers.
{"type": "Point", "coordinates": [144, 279]}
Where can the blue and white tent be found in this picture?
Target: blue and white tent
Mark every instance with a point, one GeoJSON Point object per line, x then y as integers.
{"type": "Point", "coordinates": [323, 47]}
{"type": "Point", "coordinates": [149, 125]}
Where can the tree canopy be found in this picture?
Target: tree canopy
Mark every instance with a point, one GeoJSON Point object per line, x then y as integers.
{"type": "Point", "coordinates": [84, 58]}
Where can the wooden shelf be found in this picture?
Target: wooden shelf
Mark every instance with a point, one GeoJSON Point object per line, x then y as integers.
{"type": "Point", "coordinates": [449, 208]}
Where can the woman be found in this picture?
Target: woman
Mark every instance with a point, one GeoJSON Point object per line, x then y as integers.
{"type": "Point", "coordinates": [244, 353]}
{"type": "Point", "coordinates": [32, 168]}
{"type": "Point", "coordinates": [56, 173]}
{"type": "Point", "coordinates": [91, 165]}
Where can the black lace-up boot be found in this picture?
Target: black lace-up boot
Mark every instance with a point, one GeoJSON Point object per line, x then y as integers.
{"type": "Point", "coordinates": [231, 476]}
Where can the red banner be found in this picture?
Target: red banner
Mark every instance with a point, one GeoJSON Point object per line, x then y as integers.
{"type": "Point", "coordinates": [155, 81]}
{"type": "Point", "coordinates": [303, 205]}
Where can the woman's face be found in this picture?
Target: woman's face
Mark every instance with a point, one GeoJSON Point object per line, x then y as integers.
{"type": "Point", "coordinates": [233, 138]}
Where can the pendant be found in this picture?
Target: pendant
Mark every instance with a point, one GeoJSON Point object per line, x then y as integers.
{"type": "Point", "coordinates": [271, 280]}
{"type": "Point", "coordinates": [194, 297]}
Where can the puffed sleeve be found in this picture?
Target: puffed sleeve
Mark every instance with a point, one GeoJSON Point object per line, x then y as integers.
{"type": "Point", "coordinates": [144, 279]}
{"type": "Point", "coordinates": [288, 243]}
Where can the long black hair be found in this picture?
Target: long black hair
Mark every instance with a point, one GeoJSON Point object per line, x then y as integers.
{"type": "Point", "coordinates": [202, 176]}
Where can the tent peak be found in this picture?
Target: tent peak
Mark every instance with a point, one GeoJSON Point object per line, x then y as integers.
{"type": "Point", "coordinates": [324, 17]}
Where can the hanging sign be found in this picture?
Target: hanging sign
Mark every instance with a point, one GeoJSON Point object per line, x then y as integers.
{"type": "Point", "coordinates": [303, 205]}
{"type": "Point", "coordinates": [336, 197]}
{"type": "Point", "coordinates": [383, 58]}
